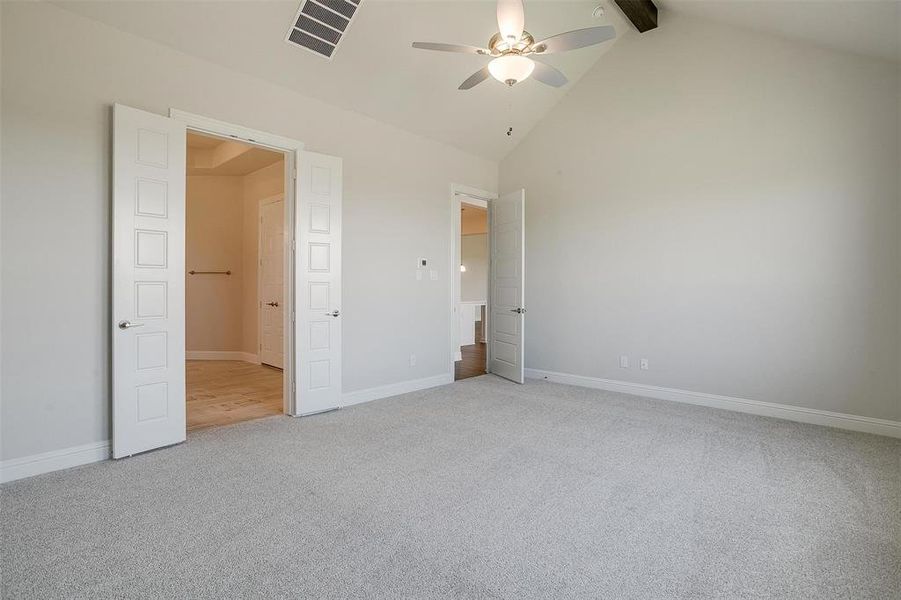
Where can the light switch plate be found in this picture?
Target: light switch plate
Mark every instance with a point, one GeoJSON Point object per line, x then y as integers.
{"type": "Point", "coordinates": [433, 274]}
{"type": "Point", "coordinates": [418, 274]}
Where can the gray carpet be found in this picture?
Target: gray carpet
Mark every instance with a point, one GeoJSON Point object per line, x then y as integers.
{"type": "Point", "coordinates": [480, 489]}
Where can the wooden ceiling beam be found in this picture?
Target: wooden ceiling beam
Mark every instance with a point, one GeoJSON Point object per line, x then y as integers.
{"type": "Point", "coordinates": [642, 13]}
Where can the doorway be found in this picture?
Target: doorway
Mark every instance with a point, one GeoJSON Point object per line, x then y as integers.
{"type": "Point", "coordinates": [234, 281]}
{"type": "Point", "coordinates": [473, 290]}
{"type": "Point", "coordinates": [495, 314]}
{"type": "Point", "coordinates": [149, 273]}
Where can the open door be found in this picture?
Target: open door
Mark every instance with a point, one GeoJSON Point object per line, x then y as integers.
{"type": "Point", "coordinates": [318, 292]}
{"type": "Point", "coordinates": [507, 226]}
{"type": "Point", "coordinates": [148, 281]}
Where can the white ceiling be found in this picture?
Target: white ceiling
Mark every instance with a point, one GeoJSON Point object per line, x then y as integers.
{"type": "Point", "coordinates": [215, 156]}
{"type": "Point", "coordinates": [868, 27]}
{"type": "Point", "coordinates": [375, 71]}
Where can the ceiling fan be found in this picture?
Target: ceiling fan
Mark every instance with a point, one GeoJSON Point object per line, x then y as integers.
{"type": "Point", "coordinates": [513, 49]}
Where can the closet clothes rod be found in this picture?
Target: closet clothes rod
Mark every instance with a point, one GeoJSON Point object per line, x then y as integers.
{"type": "Point", "coordinates": [210, 272]}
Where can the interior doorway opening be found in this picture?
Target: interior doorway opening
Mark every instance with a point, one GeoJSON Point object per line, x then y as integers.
{"type": "Point", "coordinates": [235, 284]}
{"type": "Point", "coordinates": [473, 289]}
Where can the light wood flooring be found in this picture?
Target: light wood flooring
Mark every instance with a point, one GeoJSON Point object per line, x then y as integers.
{"type": "Point", "coordinates": [222, 392]}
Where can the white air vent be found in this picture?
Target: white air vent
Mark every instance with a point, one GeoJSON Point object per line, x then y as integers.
{"type": "Point", "coordinates": [320, 24]}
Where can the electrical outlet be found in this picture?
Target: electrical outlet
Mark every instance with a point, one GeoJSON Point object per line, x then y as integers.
{"type": "Point", "coordinates": [412, 360]}
{"type": "Point", "coordinates": [623, 362]}
{"type": "Point", "coordinates": [644, 364]}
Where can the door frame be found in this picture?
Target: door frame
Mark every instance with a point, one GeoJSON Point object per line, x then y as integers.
{"type": "Point", "coordinates": [291, 149]}
{"type": "Point", "coordinates": [260, 203]}
{"type": "Point", "coordinates": [479, 198]}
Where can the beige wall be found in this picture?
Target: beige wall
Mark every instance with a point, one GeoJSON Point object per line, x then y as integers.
{"type": "Point", "coordinates": [265, 183]}
{"type": "Point", "coordinates": [214, 207]}
{"type": "Point", "coordinates": [222, 233]}
{"type": "Point", "coordinates": [725, 204]}
{"type": "Point", "coordinates": [474, 254]}
{"type": "Point", "coordinates": [473, 219]}
{"type": "Point", "coordinates": [56, 230]}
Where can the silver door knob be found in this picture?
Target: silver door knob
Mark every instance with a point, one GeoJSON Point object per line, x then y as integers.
{"type": "Point", "coordinates": [129, 324]}
{"type": "Point", "coordinates": [518, 310]}
{"type": "Point", "coordinates": [272, 304]}
{"type": "Point", "coordinates": [334, 313]}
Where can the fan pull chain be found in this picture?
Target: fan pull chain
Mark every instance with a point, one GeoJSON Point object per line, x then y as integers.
{"type": "Point", "coordinates": [510, 115]}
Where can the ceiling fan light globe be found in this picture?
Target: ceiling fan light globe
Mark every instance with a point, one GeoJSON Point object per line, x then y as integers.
{"type": "Point", "coordinates": [511, 68]}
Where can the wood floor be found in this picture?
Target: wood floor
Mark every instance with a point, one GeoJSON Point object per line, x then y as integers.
{"type": "Point", "coordinates": [473, 363]}
{"type": "Point", "coordinates": [222, 392]}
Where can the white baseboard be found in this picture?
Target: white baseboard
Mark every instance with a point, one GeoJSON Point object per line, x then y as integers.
{"type": "Point", "coordinates": [395, 389]}
{"type": "Point", "coordinates": [754, 407]}
{"type": "Point", "coordinates": [222, 355]}
{"type": "Point", "coordinates": [27, 466]}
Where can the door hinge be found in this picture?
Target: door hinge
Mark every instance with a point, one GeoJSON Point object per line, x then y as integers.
{"type": "Point", "coordinates": [293, 316]}
{"type": "Point", "coordinates": [293, 244]}
{"type": "Point", "coordinates": [293, 386]}
{"type": "Point", "coordinates": [294, 174]}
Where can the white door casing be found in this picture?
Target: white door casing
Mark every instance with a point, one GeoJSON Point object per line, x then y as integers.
{"type": "Point", "coordinates": [148, 281]}
{"type": "Point", "coordinates": [507, 247]}
{"type": "Point", "coordinates": [318, 291]}
{"type": "Point", "coordinates": [271, 294]}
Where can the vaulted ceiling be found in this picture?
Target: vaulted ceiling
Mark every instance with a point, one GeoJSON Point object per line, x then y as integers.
{"type": "Point", "coordinates": [377, 73]}
{"type": "Point", "coordinates": [866, 27]}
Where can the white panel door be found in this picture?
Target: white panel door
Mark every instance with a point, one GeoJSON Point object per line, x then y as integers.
{"type": "Point", "coordinates": [148, 229]}
{"type": "Point", "coordinates": [505, 347]}
{"type": "Point", "coordinates": [318, 292]}
{"type": "Point", "coordinates": [272, 276]}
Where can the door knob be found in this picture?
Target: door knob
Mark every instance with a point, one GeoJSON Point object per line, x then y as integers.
{"type": "Point", "coordinates": [129, 324]}
{"type": "Point", "coordinates": [272, 303]}
{"type": "Point", "coordinates": [518, 310]}
{"type": "Point", "coordinates": [334, 313]}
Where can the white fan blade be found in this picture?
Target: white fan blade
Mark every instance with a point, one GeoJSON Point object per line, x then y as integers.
{"type": "Point", "coordinates": [475, 79]}
{"type": "Point", "coordinates": [511, 20]}
{"type": "Point", "coordinates": [548, 75]}
{"type": "Point", "coordinates": [573, 40]}
{"type": "Point", "coordinates": [451, 48]}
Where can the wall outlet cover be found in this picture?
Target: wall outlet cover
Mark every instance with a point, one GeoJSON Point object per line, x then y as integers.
{"type": "Point", "coordinates": [433, 274]}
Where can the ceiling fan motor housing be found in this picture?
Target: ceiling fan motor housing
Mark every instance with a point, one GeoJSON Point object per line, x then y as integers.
{"type": "Point", "coordinates": [499, 46]}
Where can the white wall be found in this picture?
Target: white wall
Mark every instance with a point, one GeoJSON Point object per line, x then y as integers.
{"type": "Point", "coordinates": [474, 255]}
{"type": "Point", "coordinates": [61, 73]}
{"type": "Point", "coordinates": [725, 204]}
